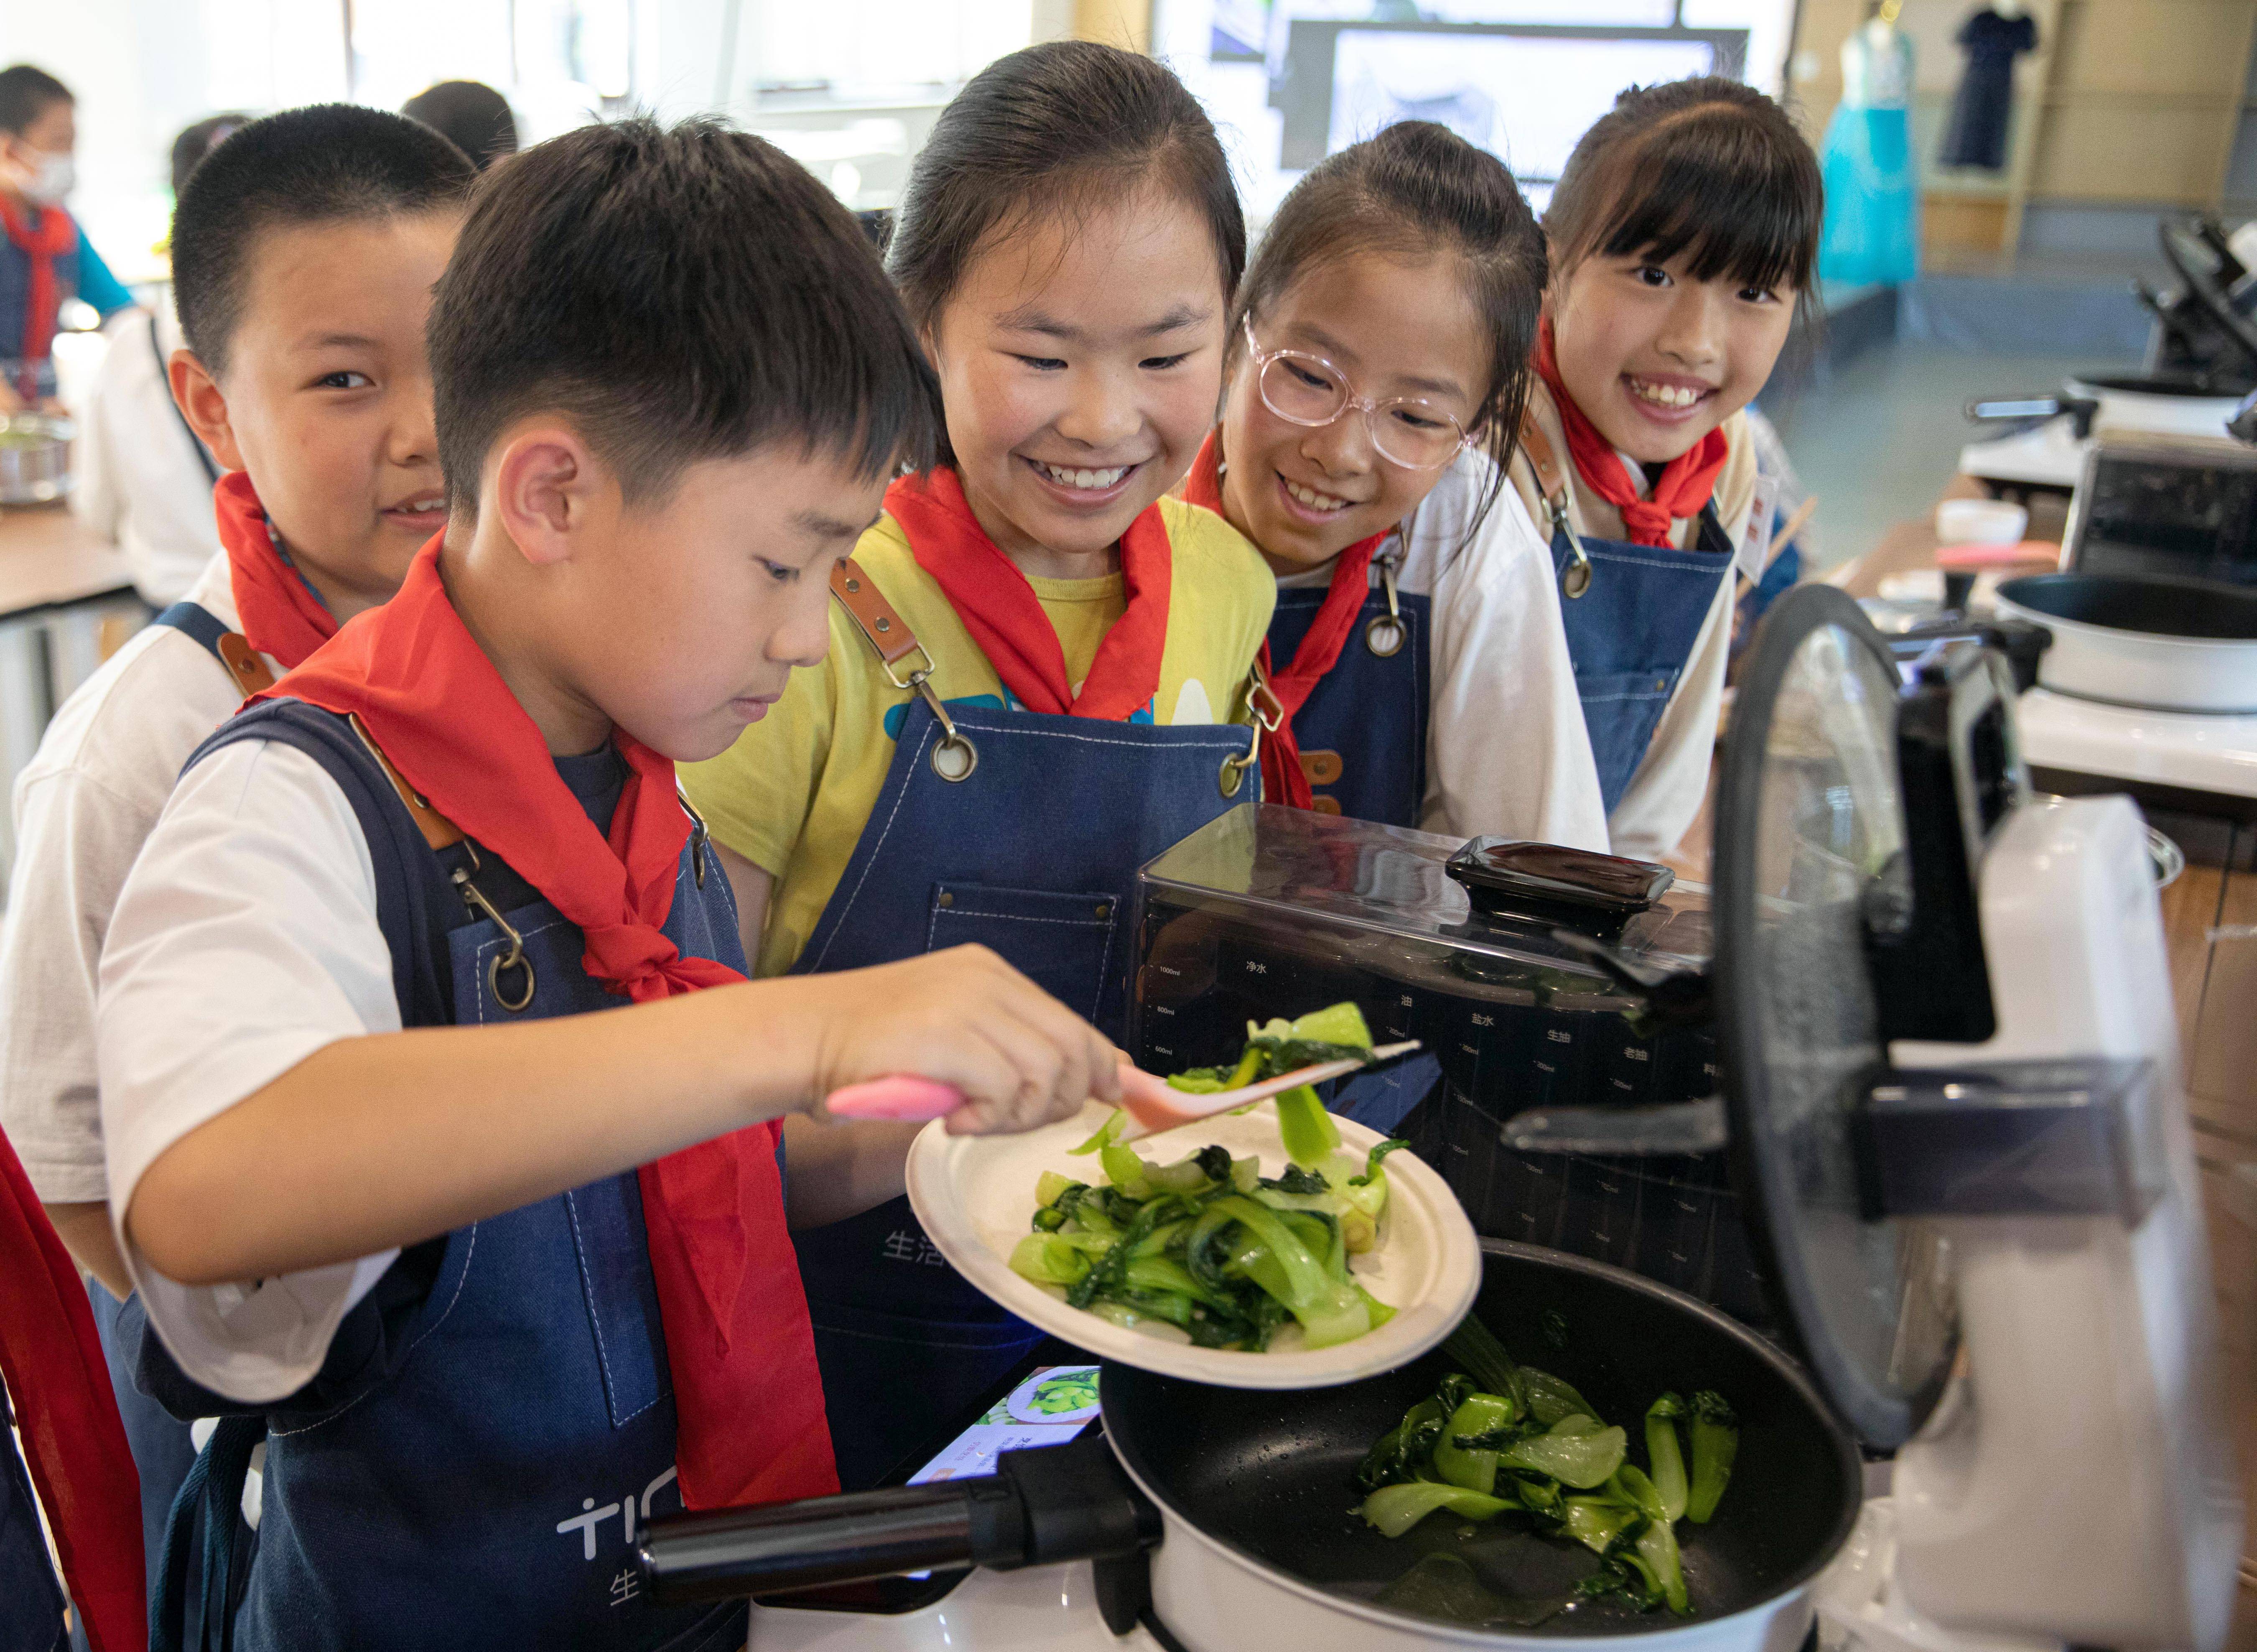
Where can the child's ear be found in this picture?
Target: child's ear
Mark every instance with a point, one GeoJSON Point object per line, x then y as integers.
{"type": "Point", "coordinates": [203, 404]}
{"type": "Point", "coordinates": [547, 486]}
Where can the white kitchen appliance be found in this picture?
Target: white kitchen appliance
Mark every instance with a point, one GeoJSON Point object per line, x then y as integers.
{"type": "Point", "coordinates": [2053, 434]}
{"type": "Point", "coordinates": [1952, 1084]}
{"type": "Point", "coordinates": [2171, 718]}
{"type": "Point", "coordinates": [1950, 1047]}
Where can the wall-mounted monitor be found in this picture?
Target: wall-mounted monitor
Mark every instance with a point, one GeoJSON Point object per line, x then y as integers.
{"type": "Point", "coordinates": [1526, 93]}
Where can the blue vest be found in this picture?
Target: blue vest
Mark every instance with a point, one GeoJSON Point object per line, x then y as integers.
{"type": "Point", "coordinates": [1362, 730]}
{"type": "Point", "coordinates": [1034, 853]}
{"type": "Point", "coordinates": [1629, 634]}
{"type": "Point", "coordinates": [494, 1423]}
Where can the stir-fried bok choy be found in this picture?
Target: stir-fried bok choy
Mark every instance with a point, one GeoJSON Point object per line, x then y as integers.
{"type": "Point", "coordinates": [1512, 1440]}
{"type": "Point", "coordinates": [1207, 1243]}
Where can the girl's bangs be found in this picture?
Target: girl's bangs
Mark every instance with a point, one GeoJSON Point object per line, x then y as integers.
{"type": "Point", "coordinates": [1748, 213]}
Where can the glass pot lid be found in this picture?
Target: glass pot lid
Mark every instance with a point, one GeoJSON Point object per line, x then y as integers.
{"type": "Point", "coordinates": [1810, 832]}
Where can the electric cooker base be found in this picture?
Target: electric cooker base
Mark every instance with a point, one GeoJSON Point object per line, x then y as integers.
{"type": "Point", "coordinates": [2193, 754]}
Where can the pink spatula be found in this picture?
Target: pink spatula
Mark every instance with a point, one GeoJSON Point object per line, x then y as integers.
{"type": "Point", "coordinates": [1153, 1104]}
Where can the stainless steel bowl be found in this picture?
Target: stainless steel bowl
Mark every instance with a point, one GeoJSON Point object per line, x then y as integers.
{"type": "Point", "coordinates": [34, 458]}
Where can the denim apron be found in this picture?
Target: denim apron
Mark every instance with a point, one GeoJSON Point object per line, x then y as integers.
{"type": "Point", "coordinates": [1034, 853]}
{"type": "Point", "coordinates": [1631, 632]}
{"type": "Point", "coordinates": [495, 1423]}
{"type": "Point", "coordinates": [1362, 730]}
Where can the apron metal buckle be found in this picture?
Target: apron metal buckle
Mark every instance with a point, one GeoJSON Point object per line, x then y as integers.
{"type": "Point", "coordinates": [515, 958]}
{"type": "Point", "coordinates": [1269, 714]}
{"type": "Point", "coordinates": [955, 756]}
{"type": "Point", "coordinates": [1386, 634]}
{"type": "Point", "coordinates": [1575, 578]}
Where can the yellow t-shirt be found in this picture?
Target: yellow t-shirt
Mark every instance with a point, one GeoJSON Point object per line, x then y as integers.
{"type": "Point", "coordinates": [794, 793]}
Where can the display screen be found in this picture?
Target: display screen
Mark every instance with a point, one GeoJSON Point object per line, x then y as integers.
{"type": "Point", "coordinates": [1051, 1406]}
{"type": "Point", "coordinates": [1524, 99]}
{"type": "Point", "coordinates": [2178, 517]}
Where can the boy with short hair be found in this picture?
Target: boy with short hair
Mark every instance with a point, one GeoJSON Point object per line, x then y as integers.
{"type": "Point", "coordinates": [671, 384]}
{"type": "Point", "coordinates": [304, 252]}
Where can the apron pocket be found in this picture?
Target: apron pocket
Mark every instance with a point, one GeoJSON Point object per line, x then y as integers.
{"type": "Point", "coordinates": [1063, 943]}
{"type": "Point", "coordinates": [1621, 711]}
{"type": "Point", "coordinates": [622, 1298]}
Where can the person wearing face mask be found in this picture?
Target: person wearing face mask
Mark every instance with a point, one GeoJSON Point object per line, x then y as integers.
{"type": "Point", "coordinates": [1683, 233]}
{"type": "Point", "coordinates": [44, 257]}
{"type": "Point", "coordinates": [144, 478]}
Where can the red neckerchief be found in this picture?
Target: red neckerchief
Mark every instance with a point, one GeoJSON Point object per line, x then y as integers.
{"type": "Point", "coordinates": [1282, 778]}
{"type": "Point", "coordinates": [73, 1440]}
{"type": "Point", "coordinates": [1687, 481]}
{"type": "Point", "coordinates": [55, 236]}
{"type": "Point", "coordinates": [1006, 618]}
{"type": "Point", "coordinates": [748, 1397]}
{"type": "Point", "coordinates": [275, 609]}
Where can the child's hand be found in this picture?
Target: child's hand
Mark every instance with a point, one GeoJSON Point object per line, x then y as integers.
{"type": "Point", "coordinates": [965, 1017]}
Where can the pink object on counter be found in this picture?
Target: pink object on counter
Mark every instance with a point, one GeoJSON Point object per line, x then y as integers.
{"type": "Point", "coordinates": [1967, 558]}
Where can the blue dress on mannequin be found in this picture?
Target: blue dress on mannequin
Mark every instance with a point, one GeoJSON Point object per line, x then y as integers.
{"type": "Point", "coordinates": [1873, 183]}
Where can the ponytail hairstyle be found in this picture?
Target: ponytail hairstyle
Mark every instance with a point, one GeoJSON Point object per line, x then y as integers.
{"type": "Point", "coordinates": [1706, 164]}
{"type": "Point", "coordinates": [1420, 191]}
{"type": "Point", "coordinates": [1061, 128]}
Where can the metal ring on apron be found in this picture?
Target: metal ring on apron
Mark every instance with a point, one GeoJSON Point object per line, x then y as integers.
{"type": "Point", "coordinates": [955, 756]}
{"type": "Point", "coordinates": [474, 898]}
{"type": "Point", "coordinates": [1386, 634]}
{"type": "Point", "coordinates": [513, 959]}
{"type": "Point", "coordinates": [1575, 578]}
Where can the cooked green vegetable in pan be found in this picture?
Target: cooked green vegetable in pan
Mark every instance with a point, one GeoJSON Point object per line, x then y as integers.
{"type": "Point", "coordinates": [1512, 1440]}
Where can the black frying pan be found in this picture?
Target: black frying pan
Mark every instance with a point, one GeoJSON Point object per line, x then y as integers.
{"type": "Point", "coordinates": [1268, 1474]}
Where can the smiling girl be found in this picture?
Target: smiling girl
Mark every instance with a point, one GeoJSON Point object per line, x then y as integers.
{"type": "Point", "coordinates": [1683, 234]}
{"type": "Point", "coordinates": [1037, 667]}
{"type": "Point", "coordinates": [1377, 368]}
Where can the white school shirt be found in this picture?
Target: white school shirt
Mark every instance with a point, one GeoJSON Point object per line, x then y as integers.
{"type": "Point", "coordinates": [141, 483]}
{"type": "Point", "coordinates": [1506, 751]}
{"type": "Point", "coordinates": [82, 806]}
{"type": "Point", "coordinates": [246, 938]}
{"type": "Point", "coordinates": [1665, 793]}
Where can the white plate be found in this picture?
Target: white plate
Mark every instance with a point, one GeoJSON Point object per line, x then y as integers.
{"type": "Point", "coordinates": [975, 1195]}
{"type": "Point", "coordinates": [1020, 1407]}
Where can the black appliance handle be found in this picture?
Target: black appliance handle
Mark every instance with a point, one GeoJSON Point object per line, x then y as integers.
{"type": "Point", "coordinates": [1056, 1503]}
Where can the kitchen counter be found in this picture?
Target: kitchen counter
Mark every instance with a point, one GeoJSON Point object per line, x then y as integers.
{"type": "Point", "coordinates": [1911, 544]}
{"type": "Point", "coordinates": [49, 559]}
{"type": "Point", "coordinates": [66, 603]}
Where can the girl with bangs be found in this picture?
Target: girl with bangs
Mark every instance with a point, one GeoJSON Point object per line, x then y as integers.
{"type": "Point", "coordinates": [1039, 666]}
{"type": "Point", "coordinates": [1683, 234]}
{"type": "Point", "coordinates": [1377, 364]}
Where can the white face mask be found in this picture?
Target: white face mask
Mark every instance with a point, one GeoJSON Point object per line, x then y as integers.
{"type": "Point", "coordinates": [48, 181]}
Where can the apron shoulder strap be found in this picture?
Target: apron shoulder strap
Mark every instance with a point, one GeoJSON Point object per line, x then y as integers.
{"type": "Point", "coordinates": [1551, 481]}
{"type": "Point", "coordinates": [438, 831]}
{"type": "Point", "coordinates": [884, 629]}
{"type": "Point", "coordinates": [415, 900]}
{"type": "Point", "coordinates": [231, 648]}
{"type": "Point", "coordinates": [878, 620]}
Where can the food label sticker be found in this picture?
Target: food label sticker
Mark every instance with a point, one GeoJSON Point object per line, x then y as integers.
{"type": "Point", "coordinates": [1755, 539]}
